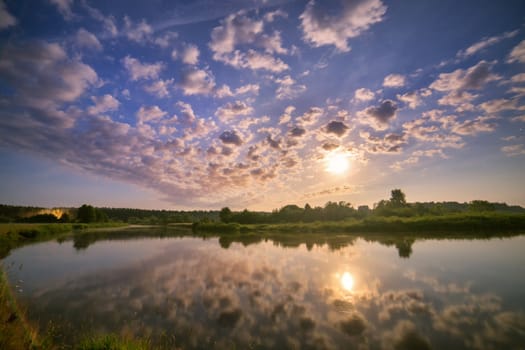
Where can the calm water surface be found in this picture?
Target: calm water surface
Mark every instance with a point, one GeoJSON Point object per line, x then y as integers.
{"type": "Point", "coordinates": [196, 293]}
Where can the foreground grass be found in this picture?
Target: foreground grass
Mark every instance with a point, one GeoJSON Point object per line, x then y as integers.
{"type": "Point", "coordinates": [111, 342]}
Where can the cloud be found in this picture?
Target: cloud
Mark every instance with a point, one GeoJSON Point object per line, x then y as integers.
{"type": "Point", "coordinates": [474, 126]}
{"type": "Point", "coordinates": [107, 21]}
{"type": "Point", "coordinates": [473, 78]}
{"type": "Point", "coordinates": [287, 115]}
{"type": "Point", "coordinates": [499, 105]}
{"type": "Point", "coordinates": [389, 144]}
{"type": "Point", "coordinates": [149, 113]}
{"type": "Point", "coordinates": [379, 117]}
{"type": "Point", "coordinates": [138, 70]}
{"type": "Point", "coordinates": [364, 94]}
{"type": "Point", "coordinates": [288, 88]}
{"type": "Point", "coordinates": [513, 150]}
{"type": "Point", "coordinates": [225, 91]}
{"type": "Point", "coordinates": [160, 88]}
{"type": "Point", "coordinates": [239, 29]}
{"type": "Point", "coordinates": [165, 39]}
{"type": "Point", "coordinates": [60, 78]}
{"type": "Point", "coordinates": [336, 127]}
{"type": "Point", "coordinates": [232, 109]}
{"type": "Point", "coordinates": [230, 138]}
{"type": "Point", "coordinates": [6, 19]}
{"type": "Point", "coordinates": [412, 99]}
{"type": "Point", "coordinates": [484, 43]}
{"type": "Point", "coordinates": [254, 60]}
{"type": "Point", "coordinates": [87, 40]}
{"type": "Point", "coordinates": [394, 80]}
{"type": "Point", "coordinates": [322, 28]}
{"type": "Point", "coordinates": [64, 7]}
{"type": "Point", "coordinates": [297, 131]}
{"type": "Point", "coordinates": [138, 33]}
{"type": "Point", "coordinates": [103, 104]}
{"type": "Point", "coordinates": [197, 82]}
{"type": "Point", "coordinates": [190, 55]}
{"type": "Point", "coordinates": [517, 54]}
{"type": "Point", "coordinates": [234, 30]}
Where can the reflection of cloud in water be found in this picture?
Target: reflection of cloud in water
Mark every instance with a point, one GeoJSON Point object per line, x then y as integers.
{"type": "Point", "coordinates": [265, 296]}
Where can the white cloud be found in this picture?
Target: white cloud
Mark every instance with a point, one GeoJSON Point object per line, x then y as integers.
{"type": "Point", "coordinates": [174, 54]}
{"type": "Point", "coordinates": [239, 29]}
{"type": "Point", "coordinates": [87, 40]}
{"type": "Point", "coordinates": [518, 53]}
{"type": "Point", "coordinates": [513, 150]}
{"type": "Point", "coordinates": [364, 94]}
{"type": "Point", "coordinates": [394, 80]}
{"type": "Point", "coordinates": [322, 28]}
{"type": "Point", "coordinates": [287, 115]}
{"type": "Point", "coordinates": [64, 7]}
{"type": "Point", "coordinates": [288, 88]}
{"type": "Point", "coordinates": [107, 21]}
{"type": "Point", "coordinates": [233, 109]}
{"type": "Point", "coordinates": [103, 104]}
{"type": "Point", "coordinates": [225, 91]}
{"type": "Point", "coordinates": [138, 70]}
{"type": "Point", "coordinates": [518, 78]}
{"type": "Point", "coordinates": [484, 43]}
{"type": "Point", "coordinates": [474, 126]}
{"type": "Point", "coordinates": [190, 55]}
{"type": "Point", "coordinates": [498, 105]}
{"type": "Point", "coordinates": [160, 88]}
{"type": "Point", "coordinates": [197, 81]}
{"type": "Point", "coordinates": [412, 99]}
{"type": "Point", "coordinates": [165, 39]}
{"type": "Point", "coordinates": [473, 78]}
{"type": "Point", "coordinates": [138, 33]}
{"type": "Point", "coordinates": [253, 60]}
{"type": "Point", "coordinates": [148, 114]}
{"type": "Point", "coordinates": [6, 19]}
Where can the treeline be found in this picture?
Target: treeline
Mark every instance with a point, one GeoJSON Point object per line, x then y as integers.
{"type": "Point", "coordinates": [89, 214]}
{"type": "Point", "coordinates": [335, 211]}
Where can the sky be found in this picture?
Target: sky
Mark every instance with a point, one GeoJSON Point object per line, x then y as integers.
{"type": "Point", "coordinates": [258, 104]}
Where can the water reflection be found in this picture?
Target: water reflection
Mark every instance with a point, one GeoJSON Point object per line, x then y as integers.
{"type": "Point", "coordinates": [261, 293]}
{"type": "Point", "coordinates": [347, 281]}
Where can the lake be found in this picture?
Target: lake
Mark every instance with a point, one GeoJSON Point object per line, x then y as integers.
{"type": "Point", "coordinates": [335, 293]}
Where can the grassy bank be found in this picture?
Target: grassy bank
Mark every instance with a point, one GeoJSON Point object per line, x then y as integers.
{"type": "Point", "coordinates": [15, 332]}
{"type": "Point", "coordinates": [434, 225]}
{"type": "Point", "coordinates": [15, 235]}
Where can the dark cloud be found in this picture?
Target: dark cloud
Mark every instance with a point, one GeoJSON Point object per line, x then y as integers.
{"type": "Point", "coordinates": [297, 132]}
{"type": "Point", "coordinates": [383, 113]}
{"type": "Point", "coordinates": [329, 146]}
{"type": "Point", "coordinates": [273, 143]}
{"type": "Point", "coordinates": [230, 137]}
{"type": "Point", "coordinates": [336, 127]}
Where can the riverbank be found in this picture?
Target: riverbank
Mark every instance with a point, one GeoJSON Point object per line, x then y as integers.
{"type": "Point", "coordinates": [15, 235]}
{"type": "Point", "coordinates": [430, 225]}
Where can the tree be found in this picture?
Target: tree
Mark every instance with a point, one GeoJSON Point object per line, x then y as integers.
{"type": "Point", "coordinates": [225, 214]}
{"type": "Point", "coordinates": [480, 206]}
{"type": "Point", "coordinates": [397, 198]}
{"type": "Point", "coordinates": [86, 213]}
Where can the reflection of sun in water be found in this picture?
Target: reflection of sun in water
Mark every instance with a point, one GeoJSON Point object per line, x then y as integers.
{"type": "Point", "coordinates": [337, 163]}
{"type": "Point", "coordinates": [347, 281]}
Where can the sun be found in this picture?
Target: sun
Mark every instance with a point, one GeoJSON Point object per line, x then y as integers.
{"type": "Point", "coordinates": [337, 163]}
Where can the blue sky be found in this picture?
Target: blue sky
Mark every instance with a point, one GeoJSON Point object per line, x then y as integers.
{"type": "Point", "coordinates": [256, 104]}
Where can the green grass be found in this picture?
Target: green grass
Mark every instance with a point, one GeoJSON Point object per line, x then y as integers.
{"type": "Point", "coordinates": [111, 342]}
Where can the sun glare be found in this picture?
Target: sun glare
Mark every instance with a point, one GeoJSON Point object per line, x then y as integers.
{"type": "Point", "coordinates": [337, 163]}
{"type": "Point", "coordinates": [347, 281]}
